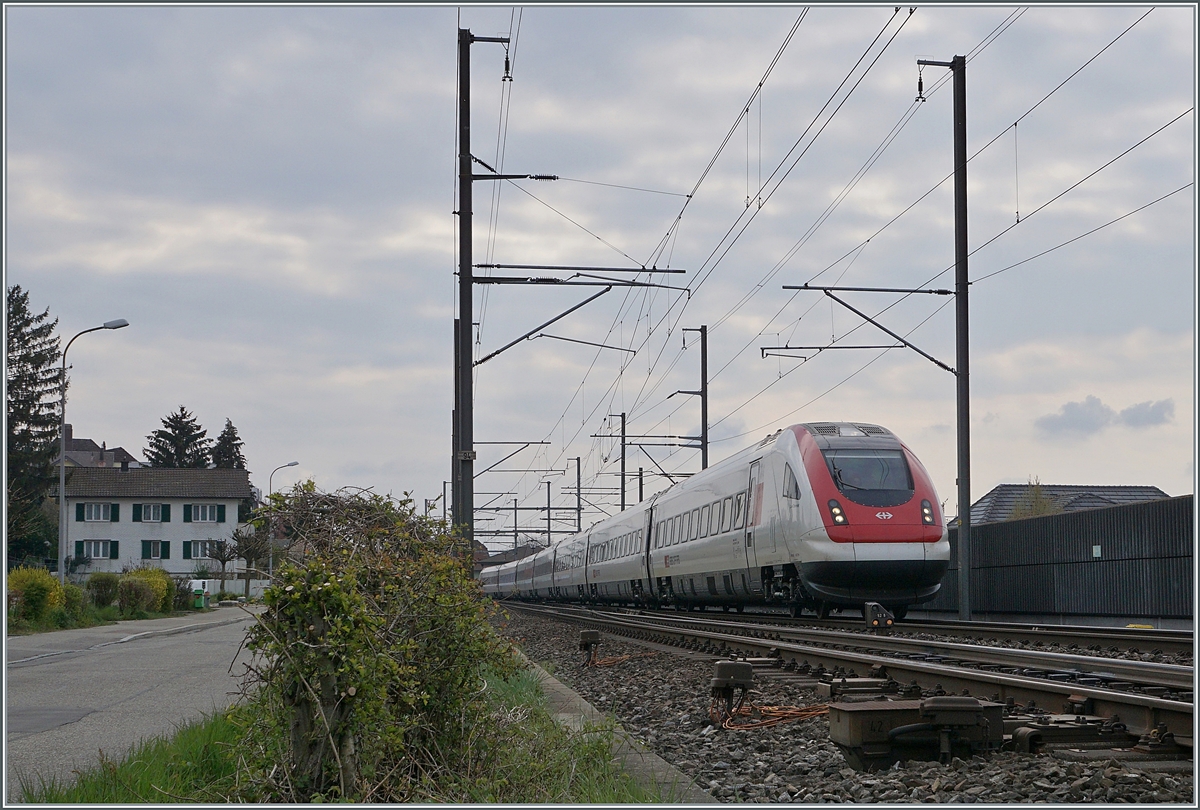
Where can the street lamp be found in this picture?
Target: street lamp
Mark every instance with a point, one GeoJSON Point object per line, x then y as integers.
{"type": "Point", "coordinates": [270, 489]}
{"type": "Point", "coordinates": [119, 323]}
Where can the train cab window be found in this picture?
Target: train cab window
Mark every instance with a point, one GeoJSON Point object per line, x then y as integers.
{"type": "Point", "coordinates": [726, 514]}
{"type": "Point", "coordinates": [869, 476]}
{"type": "Point", "coordinates": [791, 487]}
{"type": "Point", "coordinates": [694, 525]}
{"type": "Point", "coordinates": [704, 510]}
{"type": "Point", "coordinates": [739, 510]}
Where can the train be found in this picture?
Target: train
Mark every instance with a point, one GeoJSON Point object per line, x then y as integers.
{"type": "Point", "coordinates": [820, 517]}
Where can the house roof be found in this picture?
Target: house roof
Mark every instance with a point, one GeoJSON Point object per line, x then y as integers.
{"type": "Point", "coordinates": [998, 504]}
{"type": "Point", "coordinates": [156, 482]}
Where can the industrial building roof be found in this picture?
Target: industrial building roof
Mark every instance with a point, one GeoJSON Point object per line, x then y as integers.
{"type": "Point", "coordinates": [998, 504]}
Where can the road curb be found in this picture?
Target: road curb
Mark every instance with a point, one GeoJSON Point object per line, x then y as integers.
{"type": "Point", "coordinates": [646, 767]}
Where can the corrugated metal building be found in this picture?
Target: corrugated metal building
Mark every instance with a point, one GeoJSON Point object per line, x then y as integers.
{"type": "Point", "coordinates": [1130, 561]}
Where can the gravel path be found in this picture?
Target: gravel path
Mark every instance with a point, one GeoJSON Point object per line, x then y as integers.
{"type": "Point", "coordinates": [663, 700]}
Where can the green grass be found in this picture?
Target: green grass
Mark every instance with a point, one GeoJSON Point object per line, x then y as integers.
{"type": "Point", "coordinates": [520, 756]}
{"type": "Point", "coordinates": [196, 764]}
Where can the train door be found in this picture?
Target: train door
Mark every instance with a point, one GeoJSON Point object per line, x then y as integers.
{"type": "Point", "coordinates": [751, 518]}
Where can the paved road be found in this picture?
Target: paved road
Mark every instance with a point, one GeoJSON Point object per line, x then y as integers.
{"type": "Point", "coordinates": [72, 693]}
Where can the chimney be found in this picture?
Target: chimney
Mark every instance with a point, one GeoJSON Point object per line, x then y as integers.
{"type": "Point", "coordinates": [124, 466]}
{"type": "Point", "coordinates": [68, 435]}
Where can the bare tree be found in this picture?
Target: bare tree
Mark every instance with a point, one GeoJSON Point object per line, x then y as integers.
{"type": "Point", "coordinates": [224, 552]}
{"type": "Point", "coordinates": [251, 545]}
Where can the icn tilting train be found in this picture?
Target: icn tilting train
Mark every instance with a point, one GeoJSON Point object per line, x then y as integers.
{"type": "Point", "coordinates": [817, 516]}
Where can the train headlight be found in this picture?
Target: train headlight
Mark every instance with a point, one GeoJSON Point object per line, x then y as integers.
{"type": "Point", "coordinates": [927, 513]}
{"type": "Point", "coordinates": [835, 509]}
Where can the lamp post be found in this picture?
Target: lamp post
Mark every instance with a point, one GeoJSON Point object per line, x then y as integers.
{"type": "Point", "coordinates": [271, 489]}
{"type": "Point", "coordinates": [119, 323]}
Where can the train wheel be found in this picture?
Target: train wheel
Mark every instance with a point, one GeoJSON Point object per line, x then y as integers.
{"type": "Point", "coordinates": [823, 610]}
{"type": "Point", "coordinates": [794, 611]}
{"type": "Point", "coordinates": [739, 608]}
{"type": "Point", "coordinates": [900, 612]}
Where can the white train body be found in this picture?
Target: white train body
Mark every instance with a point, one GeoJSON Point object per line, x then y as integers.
{"type": "Point", "coordinates": [816, 516]}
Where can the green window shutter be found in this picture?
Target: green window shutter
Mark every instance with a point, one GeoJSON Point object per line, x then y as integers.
{"type": "Point", "coordinates": [165, 547]}
{"type": "Point", "coordinates": [187, 513]}
{"type": "Point", "coordinates": [166, 513]}
{"type": "Point", "coordinates": [116, 513]}
{"type": "Point", "coordinates": [79, 512]}
{"type": "Point", "coordinates": [78, 548]}
{"type": "Point", "coordinates": [187, 549]}
{"type": "Point", "coordinates": [113, 550]}
{"type": "Point", "coordinates": [220, 513]}
{"type": "Point", "coordinates": [145, 549]}
{"type": "Point", "coordinates": [137, 513]}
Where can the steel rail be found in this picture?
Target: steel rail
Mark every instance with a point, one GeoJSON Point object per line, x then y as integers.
{"type": "Point", "coordinates": [1172, 676]}
{"type": "Point", "coordinates": [1140, 712]}
{"type": "Point", "coordinates": [1122, 638]}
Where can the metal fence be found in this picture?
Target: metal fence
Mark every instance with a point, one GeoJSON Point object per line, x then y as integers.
{"type": "Point", "coordinates": [1133, 560]}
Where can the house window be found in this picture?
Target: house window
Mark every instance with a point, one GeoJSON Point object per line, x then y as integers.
{"type": "Point", "coordinates": [97, 512]}
{"type": "Point", "coordinates": [155, 549]}
{"type": "Point", "coordinates": [204, 512]}
{"type": "Point", "coordinates": [152, 513]}
{"type": "Point", "coordinates": [95, 549]}
{"type": "Point", "coordinates": [201, 548]}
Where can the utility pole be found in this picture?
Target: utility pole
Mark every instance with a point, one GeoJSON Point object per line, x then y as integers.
{"type": "Point", "coordinates": [464, 417]}
{"type": "Point", "coordinates": [958, 66]}
{"type": "Point", "coordinates": [548, 534]}
{"type": "Point", "coordinates": [578, 493]}
{"type": "Point", "coordinates": [514, 527]}
{"type": "Point", "coordinates": [641, 489]}
{"type": "Point", "coordinates": [702, 393]}
{"type": "Point", "coordinates": [622, 461]}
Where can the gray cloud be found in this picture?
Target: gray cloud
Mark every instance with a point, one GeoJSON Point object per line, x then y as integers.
{"type": "Point", "coordinates": [1145, 414]}
{"type": "Point", "coordinates": [1078, 418]}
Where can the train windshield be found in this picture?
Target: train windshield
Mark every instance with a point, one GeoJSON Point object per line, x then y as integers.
{"type": "Point", "coordinates": [871, 477]}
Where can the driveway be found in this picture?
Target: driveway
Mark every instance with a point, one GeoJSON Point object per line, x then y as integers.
{"type": "Point", "coordinates": [73, 693]}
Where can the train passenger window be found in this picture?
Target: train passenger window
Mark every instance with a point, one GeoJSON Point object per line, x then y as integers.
{"type": "Point", "coordinates": [739, 510]}
{"type": "Point", "coordinates": [671, 532]}
{"type": "Point", "coordinates": [726, 513]}
{"type": "Point", "coordinates": [704, 510]}
{"type": "Point", "coordinates": [694, 525]}
{"type": "Point", "coordinates": [658, 534]}
{"type": "Point", "coordinates": [791, 487]}
{"type": "Point", "coordinates": [687, 527]}
{"type": "Point", "coordinates": [678, 535]}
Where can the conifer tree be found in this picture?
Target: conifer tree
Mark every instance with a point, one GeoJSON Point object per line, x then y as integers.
{"type": "Point", "coordinates": [34, 376]}
{"type": "Point", "coordinates": [181, 442]}
{"type": "Point", "coordinates": [227, 452]}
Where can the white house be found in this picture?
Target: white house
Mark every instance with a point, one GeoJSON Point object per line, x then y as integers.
{"type": "Point", "coordinates": [167, 518]}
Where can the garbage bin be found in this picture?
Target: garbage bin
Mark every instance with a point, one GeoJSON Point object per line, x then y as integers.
{"type": "Point", "coordinates": [199, 594]}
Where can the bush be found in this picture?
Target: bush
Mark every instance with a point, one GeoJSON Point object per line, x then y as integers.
{"type": "Point", "coordinates": [369, 654]}
{"type": "Point", "coordinates": [34, 600]}
{"type": "Point", "coordinates": [47, 593]}
{"type": "Point", "coordinates": [160, 582]}
{"type": "Point", "coordinates": [102, 585]}
{"type": "Point", "coordinates": [184, 599]}
{"type": "Point", "coordinates": [135, 595]}
{"type": "Point", "coordinates": [74, 601]}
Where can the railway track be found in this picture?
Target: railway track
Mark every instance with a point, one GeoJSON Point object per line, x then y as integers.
{"type": "Point", "coordinates": [1142, 696]}
{"type": "Point", "coordinates": [1110, 639]}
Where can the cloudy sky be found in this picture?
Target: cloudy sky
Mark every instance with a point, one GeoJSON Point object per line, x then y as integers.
{"type": "Point", "coordinates": [266, 194]}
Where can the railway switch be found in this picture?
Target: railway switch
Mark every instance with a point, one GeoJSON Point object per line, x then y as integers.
{"type": "Point", "coordinates": [876, 734]}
